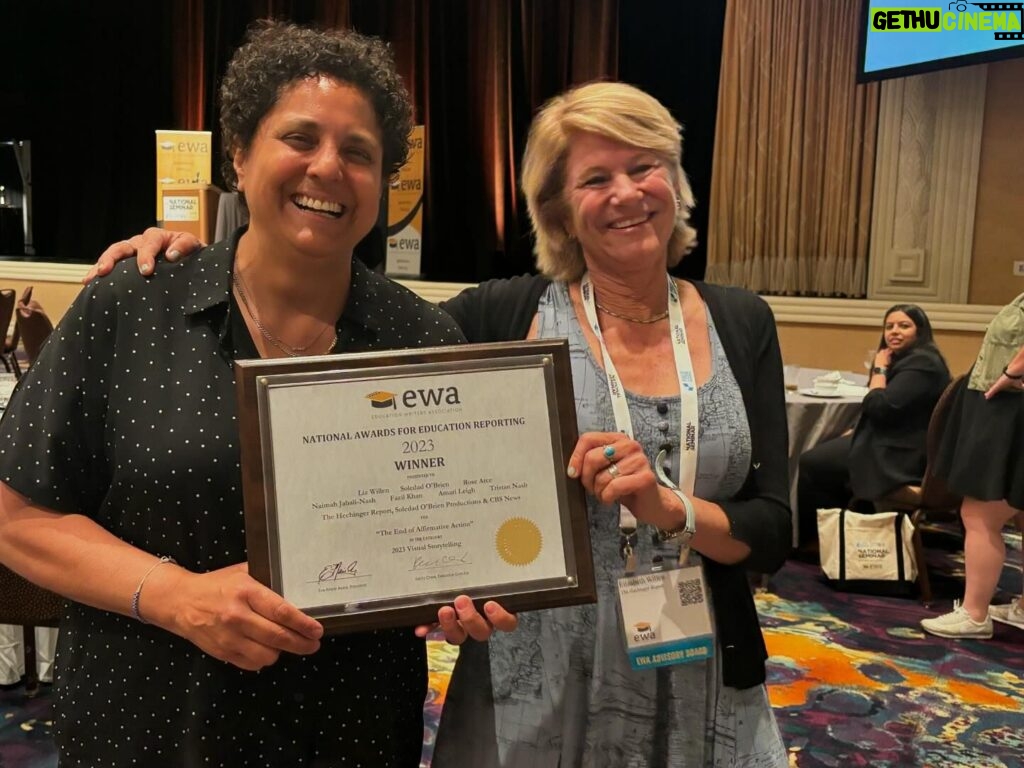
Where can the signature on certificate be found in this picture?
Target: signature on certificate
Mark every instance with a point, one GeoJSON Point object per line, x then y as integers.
{"type": "Point", "coordinates": [339, 570]}
{"type": "Point", "coordinates": [424, 563]}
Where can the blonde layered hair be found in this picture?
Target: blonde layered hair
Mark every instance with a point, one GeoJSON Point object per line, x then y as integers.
{"type": "Point", "coordinates": [616, 111]}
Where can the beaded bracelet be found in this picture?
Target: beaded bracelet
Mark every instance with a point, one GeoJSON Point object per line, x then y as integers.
{"type": "Point", "coordinates": [138, 589]}
{"type": "Point", "coordinates": [1009, 375]}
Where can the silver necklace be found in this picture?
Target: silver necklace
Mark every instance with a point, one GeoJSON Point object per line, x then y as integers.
{"type": "Point", "coordinates": [641, 320]}
{"type": "Point", "coordinates": [288, 349]}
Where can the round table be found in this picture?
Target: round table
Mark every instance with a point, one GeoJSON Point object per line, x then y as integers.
{"type": "Point", "coordinates": [813, 419]}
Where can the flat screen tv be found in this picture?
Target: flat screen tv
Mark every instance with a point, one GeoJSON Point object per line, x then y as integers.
{"type": "Point", "coordinates": [907, 38]}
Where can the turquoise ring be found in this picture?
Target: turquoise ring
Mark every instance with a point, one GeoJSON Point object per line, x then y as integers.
{"type": "Point", "coordinates": [609, 451]}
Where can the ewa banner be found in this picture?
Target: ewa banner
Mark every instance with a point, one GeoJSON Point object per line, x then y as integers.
{"type": "Point", "coordinates": [405, 212]}
{"type": "Point", "coordinates": [182, 157]}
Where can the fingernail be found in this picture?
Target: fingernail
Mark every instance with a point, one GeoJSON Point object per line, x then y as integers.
{"type": "Point", "coordinates": [462, 602]}
{"type": "Point", "coordinates": [145, 269]}
{"type": "Point", "coordinates": [571, 471]}
{"type": "Point", "coordinates": [173, 254]}
{"type": "Point", "coordinates": [490, 608]}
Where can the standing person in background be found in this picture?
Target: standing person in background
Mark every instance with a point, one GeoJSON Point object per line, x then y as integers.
{"type": "Point", "coordinates": [886, 450]}
{"type": "Point", "coordinates": [610, 206]}
{"type": "Point", "coordinates": [982, 458]}
{"type": "Point", "coordinates": [170, 654]}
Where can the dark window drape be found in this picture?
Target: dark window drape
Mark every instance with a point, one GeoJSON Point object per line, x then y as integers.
{"type": "Point", "coordinates": [477, 71]}
{"type": "Point", "coordinates": [87, 84]}
{"type": "Point", "coordinates": [110, 73]}
{"type": "Point", "coordinates": [673, 53]}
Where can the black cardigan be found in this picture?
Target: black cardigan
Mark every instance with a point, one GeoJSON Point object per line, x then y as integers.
{"type": "Point", "coordinates": [759, 514]}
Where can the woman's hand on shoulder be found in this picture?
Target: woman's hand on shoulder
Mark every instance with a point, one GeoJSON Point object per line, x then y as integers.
{"type": "Point", "coordinates": [229, 615]}
{"type": "Point", "coordinates": [145, 248]}
{"type": "Point", "coordinates": [461, 621]}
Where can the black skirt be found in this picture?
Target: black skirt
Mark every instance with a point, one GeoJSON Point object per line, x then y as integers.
{"type": "Point", "coordinates": [982, 450]}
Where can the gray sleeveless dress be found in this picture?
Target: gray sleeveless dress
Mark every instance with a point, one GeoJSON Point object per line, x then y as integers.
{"type": "Point", "coordinates": [559, 691]}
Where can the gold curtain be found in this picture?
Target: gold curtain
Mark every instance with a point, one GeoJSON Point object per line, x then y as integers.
{"type": "Point", "coordinates": [794, 158]}
{"type": "Point", "coordinates": [559, 44]}
{"type": "Point", "coordinates": [490, 49]}
{"type": "Point", "coordinates": [335, 14]}
{"type": "Point", "coordinates": [189, 92]}
{"type": "Point", "coordinates": [476, 72]}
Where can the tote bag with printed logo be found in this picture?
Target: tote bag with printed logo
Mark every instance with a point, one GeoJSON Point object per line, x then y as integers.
{"type": "Point", "coordinates": [867, 552]}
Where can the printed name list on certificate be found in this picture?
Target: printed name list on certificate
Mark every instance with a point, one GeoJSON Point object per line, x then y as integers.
{"type": "Point", "coordinates": [414, 484]}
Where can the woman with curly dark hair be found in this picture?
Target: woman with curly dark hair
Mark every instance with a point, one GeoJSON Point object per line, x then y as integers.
{"type": "Point", "coordinates": [170, 653]}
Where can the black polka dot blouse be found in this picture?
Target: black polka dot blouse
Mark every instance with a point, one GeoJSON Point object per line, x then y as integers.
{"type": "Point", "coordinates": [129, 417]}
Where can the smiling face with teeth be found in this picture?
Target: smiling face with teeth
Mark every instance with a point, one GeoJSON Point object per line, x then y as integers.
{"type": "Point", "coordinates": [621, 203]}
{"type": "Point", "coordinates": [312, 173]}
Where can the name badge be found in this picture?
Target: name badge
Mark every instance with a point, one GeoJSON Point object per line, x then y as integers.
{"type": "Point", "coordinates": [666, 618]}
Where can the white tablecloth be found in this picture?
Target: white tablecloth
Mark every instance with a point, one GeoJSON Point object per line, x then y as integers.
{"type": "Point", "coordinates": [7, 382]}
{"type": "Point", "coordinates": [12, 656]}
{"type": "Point", "coordinates": [812, 420]}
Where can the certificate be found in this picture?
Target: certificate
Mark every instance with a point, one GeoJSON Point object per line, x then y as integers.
{"type": "Point", "coordinates": [380, 486]}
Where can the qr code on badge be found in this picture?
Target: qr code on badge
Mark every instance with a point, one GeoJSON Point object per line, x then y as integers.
{"type": "Point", "coordinates": [690, 592]}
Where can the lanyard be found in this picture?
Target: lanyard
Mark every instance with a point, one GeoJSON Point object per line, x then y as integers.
{"type": "Point", "coordinates": [687, 390]}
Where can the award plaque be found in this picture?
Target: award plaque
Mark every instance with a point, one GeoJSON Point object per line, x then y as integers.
{"type": "Point", "coordinates": [379, 486]}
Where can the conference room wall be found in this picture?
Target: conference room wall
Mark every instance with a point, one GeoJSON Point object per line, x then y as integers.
{"type": "Point", "coordinates": [998, 224]}
{"type": "Point", "coordinates": [818, 344]}
{"type": "Point", "coordinates": [843, 347]}
{"type": "Point", "coordinates": [54, 296]}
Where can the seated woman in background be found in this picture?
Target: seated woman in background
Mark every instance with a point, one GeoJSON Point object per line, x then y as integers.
{"type": "Point", "coordinates": [887, 448]}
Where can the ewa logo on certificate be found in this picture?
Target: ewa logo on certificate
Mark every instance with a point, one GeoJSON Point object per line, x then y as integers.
{"type": "Point", "coordinates": [415, 398]}
{"type": "Point", "coordinates": [381, 399]}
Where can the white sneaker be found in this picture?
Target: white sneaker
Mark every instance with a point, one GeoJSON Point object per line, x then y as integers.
{"type": "Point", "coordinates": [958, 624]}
{"type": "Point", "coordinates": [1011, 613]}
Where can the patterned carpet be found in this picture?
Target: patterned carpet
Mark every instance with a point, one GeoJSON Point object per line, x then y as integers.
{"type": "Point", "coordinates": [26, 731]}
{"type": "Point", "coordinates": [853, 679]}
{"type": "Point", "coordinates": [855, 682]}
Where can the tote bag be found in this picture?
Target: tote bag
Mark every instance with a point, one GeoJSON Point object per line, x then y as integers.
{"type": "Point", "coordinates": [867, 553]}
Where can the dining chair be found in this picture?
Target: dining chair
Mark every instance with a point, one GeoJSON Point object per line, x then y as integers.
{"type": "Point", "coordinates": [10, 343]}
{"type": "Point", "coordinates": [932, 500]}
{"type": "Point", "coordinates": [23, 603]}
{"type": "Point", "coordinates": [34, 326]}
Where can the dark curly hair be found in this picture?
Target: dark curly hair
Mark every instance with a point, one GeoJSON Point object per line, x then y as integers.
{"type": "Point", "coordinates": [277, 54]}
